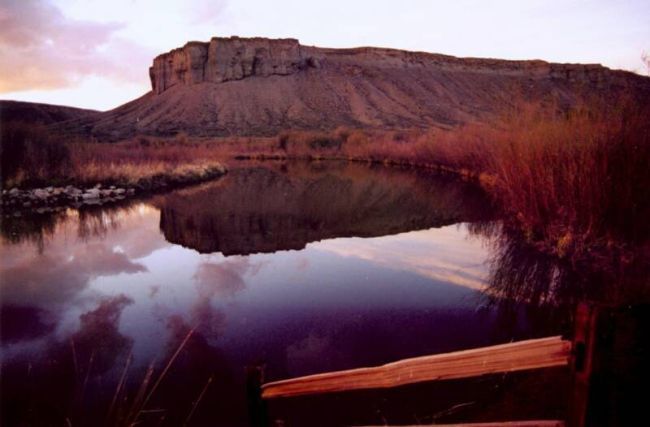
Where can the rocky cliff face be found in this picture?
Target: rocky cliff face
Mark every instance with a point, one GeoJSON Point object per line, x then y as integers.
{"type": "Point", "coordinates": [237, 86]}
{"type": "Point", "coordinates": [224, 59]}
{"type": "Point", "coordinates": [235, 58]}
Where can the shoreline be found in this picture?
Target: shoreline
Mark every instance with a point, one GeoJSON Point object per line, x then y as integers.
{"type": "Point", "coordinates": [575, 249]}
{"type": "Point", "coordinates": [48, 199]}
{"type": "Point", "coordinates": [53, 199]}
{"type": "Point", "coordinates": [481, 178]}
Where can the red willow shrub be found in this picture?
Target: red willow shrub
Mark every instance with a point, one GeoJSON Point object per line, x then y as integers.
{"type": "Point", "coordinates": [31, 154]}
{"type": "Point", "coordinates": [573, 179]}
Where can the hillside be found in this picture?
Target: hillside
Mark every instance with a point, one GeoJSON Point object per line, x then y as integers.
{"type": "Point", "coordinates": [257, 86]}
{"type": "Point", "coordinates": [46, 114]}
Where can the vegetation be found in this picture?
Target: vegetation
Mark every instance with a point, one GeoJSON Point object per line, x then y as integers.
{"type": "Point", "coordinates": [579, 181]}
{"type": "Point", "coordinates": [29, 152]}
{"type": "Point", "coordinates": [573, 181]}
{"type": "Point", "coordinates": [32, 156]}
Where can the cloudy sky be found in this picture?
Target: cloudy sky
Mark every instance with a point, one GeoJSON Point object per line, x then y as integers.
{"type": "Point", "coordinates": [96, 53]}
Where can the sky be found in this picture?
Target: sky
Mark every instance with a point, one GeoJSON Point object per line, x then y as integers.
{"type": "Point", "coordinates": [96, 53]}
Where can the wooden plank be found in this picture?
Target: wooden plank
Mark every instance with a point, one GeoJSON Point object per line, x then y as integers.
{"type": "Point", "coordinates": [516, 356]}
{"type": "Point", "coordinates": [528, 423]}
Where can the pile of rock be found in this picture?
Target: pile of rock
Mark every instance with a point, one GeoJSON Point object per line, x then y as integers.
{"type": "Point", "coordinates": [48, 198]}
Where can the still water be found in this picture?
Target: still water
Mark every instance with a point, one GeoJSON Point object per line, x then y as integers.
{"type": "Point", "coordinates": [298, 268]}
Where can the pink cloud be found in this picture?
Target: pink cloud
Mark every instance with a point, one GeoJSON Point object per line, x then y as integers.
{"type": "Point", "coordinates": [206, 11]}
{"type": "Point", "coordinates": [224, 279]}
{"type": "Point", "coordinates": [43, 49]}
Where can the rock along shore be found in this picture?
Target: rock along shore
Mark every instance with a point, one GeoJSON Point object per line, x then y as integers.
{"type": "Point", "coordinates": [15, 201]}
{"type": "Point", "coordinates": [50, 199]}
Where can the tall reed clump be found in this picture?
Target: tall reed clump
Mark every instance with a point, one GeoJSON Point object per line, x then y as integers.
{"type": "Point", "coordinates": [31, 155]}
{"type": "Point", "coordinates": [577, 181]}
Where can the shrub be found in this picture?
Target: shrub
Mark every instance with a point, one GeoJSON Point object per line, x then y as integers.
{"type": "Point", "coordinates": [358, 138]}
{"type": "Point", "coordinates": [182, 138]}
{"type": "Point", "coordinates": [323, 141]}
{"type": "Point", "coordinates": [144, 141]}
{"type": "Point", "coordinates": [342, 133]}
{"type": "Point", "coordinates": [578, 178]}
{"type": "Point", "coordinates": [283, 141]}
{"type": "Point", "coordinates": [31, 154]}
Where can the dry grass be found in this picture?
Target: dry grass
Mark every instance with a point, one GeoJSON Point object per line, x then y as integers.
{"type": "Point", "coordinates": [36, 158]}
{"type": "Point", "coordinates": [572, 179]}
{"type": "Point", "coordinates": [147, 173]}
{"type": "Point", "coordinates": [30, 153]}
{"type": "Point", "coordinates": [575, 180]}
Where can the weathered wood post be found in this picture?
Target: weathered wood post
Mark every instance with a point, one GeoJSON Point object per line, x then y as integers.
{"type": "Point", "coordinates": [620, 369]}
{"type": "Point", "coordinates": [256, 405]}
{"type": "Point", "coordinates": [582, 361]}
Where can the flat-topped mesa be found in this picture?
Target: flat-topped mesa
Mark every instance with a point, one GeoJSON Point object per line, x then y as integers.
{"type": "Point", "coordinates": [234, 58]}
{"type": "Point", "coordinates": [261, 87]}
{"type": "Point", "coordinates": [223, 59]}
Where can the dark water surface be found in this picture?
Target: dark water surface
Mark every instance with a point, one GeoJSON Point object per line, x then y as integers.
{"type": "Point", "coordinates": [299, 268]}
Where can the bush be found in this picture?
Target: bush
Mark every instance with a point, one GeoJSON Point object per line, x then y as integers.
{"type": "Point", "coordinates": [358, 138]}
{"type": "Point", "coordinates": [302, 142]}
{"type": "Point", "coordinates": [342, 133]}
{"type": "Point", "coordinates": [144, 141]}
{"type": "Point", "coordinates": [578, 178]}
{"type": "Point", "coordinates": [319, 142]}
{"type": "Point", "coordinates": [31, 154]}
{"type": "Point", "coordinates": [182, 138]}
{"type": "Point", "coordinates": [283, 141]}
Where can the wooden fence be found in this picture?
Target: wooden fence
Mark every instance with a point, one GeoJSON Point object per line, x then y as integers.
{"type": "Point", "coordinates": [511, 357]}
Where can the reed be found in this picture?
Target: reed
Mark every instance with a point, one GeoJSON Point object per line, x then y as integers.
{"type": "Point", "coordinates": [32, 156]}
{"type": "Point", "coordinates": [195, 404]}
{"type": "Point", "coordinates": [572, 179]}
{"type": "Point", "coordinates": [145, 393]}
{"type": "Point", "coordinates": [120, 386]}
{"type": "Point", "coordinates": [577, 182]}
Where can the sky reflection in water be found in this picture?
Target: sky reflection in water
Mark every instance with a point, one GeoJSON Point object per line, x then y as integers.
{"type": "Point", "coordinates": [422, 270]}
{"type": "Point", "coordinates": [111, 284]}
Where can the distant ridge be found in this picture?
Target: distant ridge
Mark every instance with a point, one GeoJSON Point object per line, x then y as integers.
{"type": "Point", "coordinates": [46, 114]}
{"type": "Point", "coordinates": [259, 86]}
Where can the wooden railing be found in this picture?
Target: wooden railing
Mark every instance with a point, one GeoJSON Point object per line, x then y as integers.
{"type": "Point", "coordinates": [532, 423]}
{"type": "Point", "coordinates": [511, 357]}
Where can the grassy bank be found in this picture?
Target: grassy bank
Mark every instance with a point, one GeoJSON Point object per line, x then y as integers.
{"type": "Point", "coordinates": [574, 182]}
{"type": "Point", "coordinates": [33, 157]}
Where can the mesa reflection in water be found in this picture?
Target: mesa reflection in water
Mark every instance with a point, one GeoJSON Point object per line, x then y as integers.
{"type": "Point", "coordinates": [301, 267]}
{"type": "Point", "coordinates": [285, 206]}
